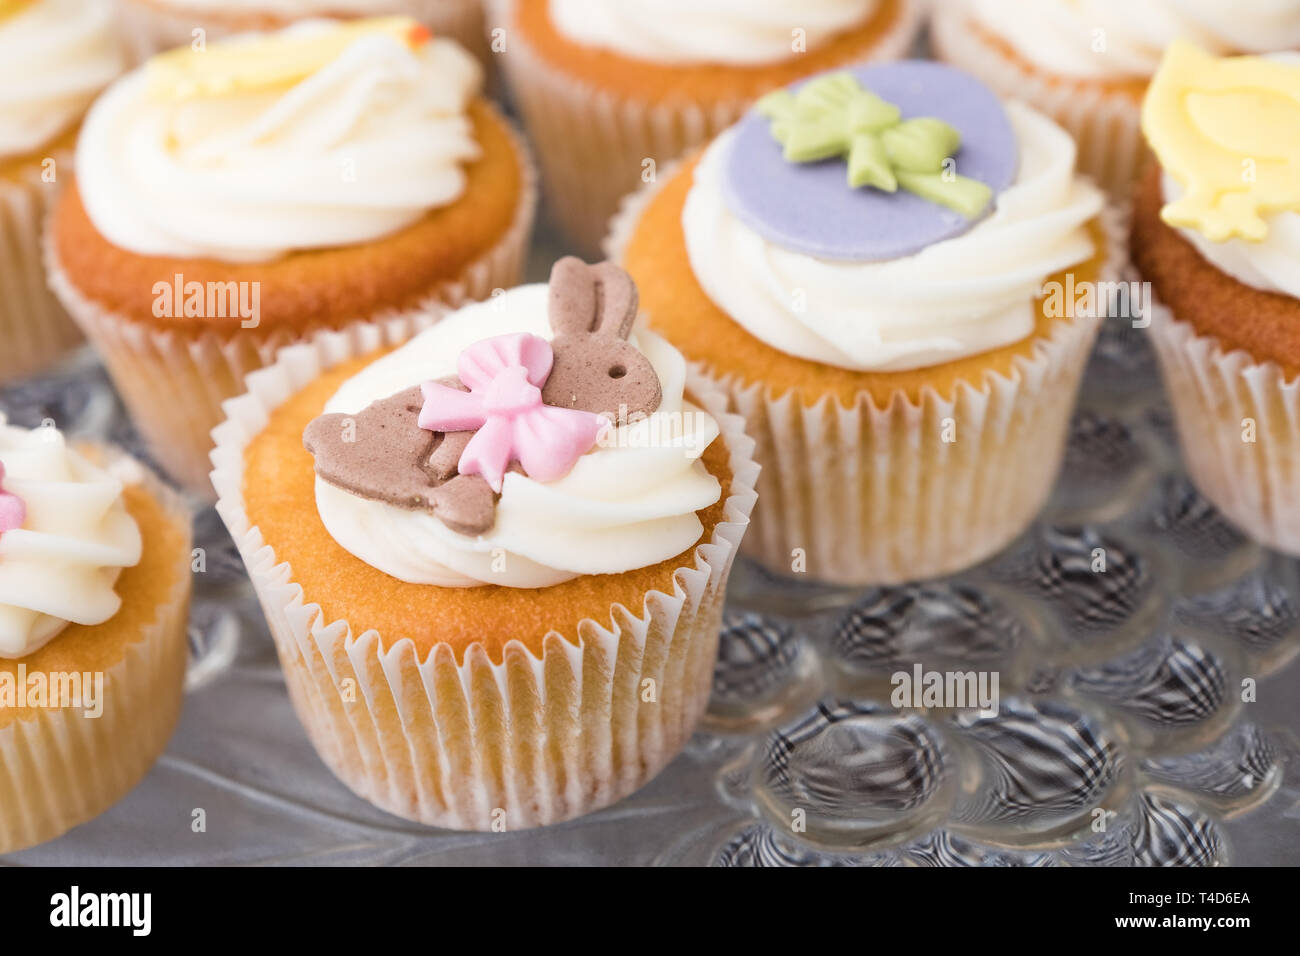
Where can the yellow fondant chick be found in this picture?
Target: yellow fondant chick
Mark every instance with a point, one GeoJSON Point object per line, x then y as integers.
{"type": "Point", "coordinates": [1228, 130]}
{"type": "Point", "coordinates": [267, 63]}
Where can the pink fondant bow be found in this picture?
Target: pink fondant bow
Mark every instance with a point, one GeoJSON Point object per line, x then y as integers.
{"type": "Point", "coordinates": [12, 510]}
{"type": "Point", "coordinates": [505, 376]}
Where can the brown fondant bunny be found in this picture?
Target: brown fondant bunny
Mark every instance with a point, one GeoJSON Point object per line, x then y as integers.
{"type": "Point", "coordinates": [591, 311]}
{"type": "Point", "coordinates": [383, 454]}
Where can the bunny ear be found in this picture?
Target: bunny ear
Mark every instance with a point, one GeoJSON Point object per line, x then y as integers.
{"type": "Point", "coordinates": [572, 308]}
{"type": "Point", "coordinates": [618, 300]}
{"type": "Point", "coordinates": [591, 300]}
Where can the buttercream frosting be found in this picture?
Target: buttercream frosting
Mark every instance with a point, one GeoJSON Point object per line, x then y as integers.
{"type": "Point", "coordinates": [364, 146]}
{"type": "Point", "coordinates": [55, 55]}
{"type": "Point", "coordinates": [957, 297]}
{"type": "Point", "coordinates": [1271, 264]}
{"type": "Point", "coordinates": [61, 565]}
{"type": "Point", "coordinates": [1119, 38]}
{"type": "Point", "coordinates": [737, 32]}
{"type": "Point", "coordinates": [628, 503]}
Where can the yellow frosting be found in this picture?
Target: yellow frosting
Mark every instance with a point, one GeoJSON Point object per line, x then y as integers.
{"type": "Point", "coordinates": [9, 7]}
{"type": "Point", "coordinates": [1228, 130]}
{"type": "Point", "coordinates": [273, 62]}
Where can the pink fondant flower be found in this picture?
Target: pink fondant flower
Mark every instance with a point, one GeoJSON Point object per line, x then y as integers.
{"type": "Point", "coordinates": [12, 510]}
{"type": "Point", "coordinates": [505, 376]}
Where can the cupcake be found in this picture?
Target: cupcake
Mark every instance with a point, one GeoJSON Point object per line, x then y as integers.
{"type": "Point", "coordinates": [1216, 234]}
{"type": "Point", "coordinates": [55, 55]}
{"type": "Point", "coordinates": [893, 276]}
{"type": "Point", "coordinates": [609, 90]}
{"type": "Point", "coordinates": [492, 560]}
{"type": "Point", "coordinates": [1087, 64]}
{"type": "Point", "coordinates": [94, 596]}
{"type": "Point", "coordinates": [229, 202]}
{"type": "Point", "coordinates": [154, 25]}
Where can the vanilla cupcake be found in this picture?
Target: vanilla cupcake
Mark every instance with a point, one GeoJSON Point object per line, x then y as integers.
{"type": "Point", "coordinates": [94, 596]}
{"type": "Point", "coordinates": [231, 201]}
{"type": "Point", "coordinates": [1086, 63]}
{"type": "Point", "coordinates": [513, 621]}
{"type": "Point", "coordinates": [1216, 233]}
{"type": "Point", "coordinates": [884, 270]}
{"type": "Point", "coordinates": [55, 56]}
{"type": "Point", "coordinates": [154, 25]}
{"type": "Point", "coordinates": [610, 90]}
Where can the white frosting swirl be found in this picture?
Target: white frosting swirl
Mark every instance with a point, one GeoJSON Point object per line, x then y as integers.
{"type": "Point", "coordinates": [55, 55]}
{"type": "Point", "coordinates": [1272, 264]}
{"type": "Point", "coordinates": [61, 566]}
{"type": "Point", "coordinates": [736, 32]}
{"type": "Point", "coordinates": [958, 297]}
{"type": "Point", "coordinates": [627, 504]}
{"type": "Point", "coordinates": [1101, 39]}
{"type": "Point", "coordinates": [360, 149]}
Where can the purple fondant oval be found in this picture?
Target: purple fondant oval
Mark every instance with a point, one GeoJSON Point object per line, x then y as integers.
{"type": "Point", "coordinates": [810, 208]}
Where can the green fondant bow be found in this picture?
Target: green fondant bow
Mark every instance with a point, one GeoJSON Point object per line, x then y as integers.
{"type": "Point", "coordinates": [834, 116]}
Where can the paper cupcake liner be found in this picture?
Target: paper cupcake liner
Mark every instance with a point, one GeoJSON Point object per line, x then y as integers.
{"type": "Point", "coordinates": [173, 382]}
{"type": "Point", "coordinates": [1105, 123]}
{"type": "Point", "coordinates": [592, 145]}
{"type": "Point", "coordinates": [1221, 401]}
{"type": "Point", "coordinates": [866, 495]}
{"type": "Point", "coordinates": [150, 27]}
{"type": "Point", "coordinates": [476, 744]}
{"type": "Point", "coordinates": [61, 768]}
{"type": "Point", "coordinates": [34, 328]}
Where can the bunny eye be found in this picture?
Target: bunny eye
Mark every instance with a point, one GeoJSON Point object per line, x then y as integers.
{"type": "Point", "coordinates": [617, 371]}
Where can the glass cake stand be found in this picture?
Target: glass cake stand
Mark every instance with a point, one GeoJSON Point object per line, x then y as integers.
{"type": "Point", "coordinates": [1122, 737]}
